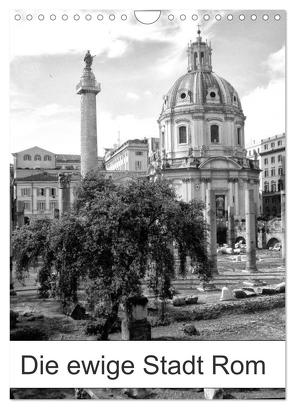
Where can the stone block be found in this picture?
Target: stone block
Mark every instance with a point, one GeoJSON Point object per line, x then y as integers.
{"type": "Point", "coordinates": [226, 294]}
{"type": "Point", "coordinates": [281, 287]}
{"type": "Point", "coordinates": [178, 301]}
{"type": "Point", "coordinates": [254, 282]}
{"type": "Point", "coordinates": [212, 393]}
{"type": "Point", "coordinates": [190, 329]}
{"type": "Point", "coordinates": [239, 293]}
{"type": "Point", "coordinates": [75, 311]}
{"type": "Point", "coordinates": [191, 299]}
{"type": "Point", "coordinates": [267, 291]}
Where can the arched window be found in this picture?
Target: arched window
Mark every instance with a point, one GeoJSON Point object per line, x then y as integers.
{"type": "Point", "coordinates": [37, 157]}
{"type": "Point", "coordinates": [47, 157]}
{"type": "Point", "coordinates": [195, 60]}
{"type": "Point", "coordinates": [214, 129]}
{"type": "Point", "coordinates": [266, 187]}
{"type": "Point", "coordinates": [27, 157]}
{"type": "Point", "coordinates": [182, 134]}
{"type": "Point", "coordinates": [273, 186]}
{"type": "Point", "coordinates": [280, 185]}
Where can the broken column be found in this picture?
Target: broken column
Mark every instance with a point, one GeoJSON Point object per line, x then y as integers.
{"type": "Point", "coordinates": [250, 210]}
{"type": "Point", "coordinates": [211, 232]}
{"type": "Point", "coordinates": [135, 325]}
{"type": "Point", "coordinates": [64, 181]}
{"type": "Point", "coordinates": [231, 228]}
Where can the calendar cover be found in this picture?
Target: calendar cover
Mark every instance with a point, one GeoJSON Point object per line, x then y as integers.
{"type": "Point", "coordinates": [147, 193]}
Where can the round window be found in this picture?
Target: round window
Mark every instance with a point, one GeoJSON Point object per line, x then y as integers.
{"type": "Point", "coordinates": [212, 94]}
{"type": "Point", "coordinates": [182, 95]}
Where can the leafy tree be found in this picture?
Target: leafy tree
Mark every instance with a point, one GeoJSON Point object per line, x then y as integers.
{"type": "Point", "coordinates": [115, 235]}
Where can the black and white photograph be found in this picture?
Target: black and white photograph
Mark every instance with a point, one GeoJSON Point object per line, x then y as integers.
{"type": "Point", "coordinates": [148, 189]}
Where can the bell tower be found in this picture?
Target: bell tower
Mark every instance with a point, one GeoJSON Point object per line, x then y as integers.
{"type": "Point", "coordinates": [199, 55]}
{"type": "Point", "coordinates": [88, 88]}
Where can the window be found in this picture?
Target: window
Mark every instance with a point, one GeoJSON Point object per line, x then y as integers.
{"type": "Point", "coordinates": [52, 191]}
{"type": "Point", "coordinates": [53, 205]}
{"type": "Point", "coordinates": [25, 191]}
{"type": "Point", "coordinates": [258, 150]}
{"type": "Point", "coordinates": [249, 153]}
{"type": "Point", "coordinates": [280, 143]}
{"type": "Point", "coordinates": [280, 171]}
{"type": "Point", "coordinates": [273, 186]}
{"type": "Point", "coordinates": [27, 206]}
{"type": "Point", "coordinates": [265, 147]}
{"type": "Point", "coordinates": [182, 136]}
{"type": "Point", "coordinates": [214, 133]}
{"type": "Point", "coordinates": [280, 158]}
{"type": "Point", "coordinates": [40, 205]}
{"type": "Point", "coordinates": [266, 173]}
{"type": "Point", "coordinates": [280, 185]}
{"type": "Point", "coordinates": [41, 191]}
{"type": "Point", "coordinates": [272, 145]}
{"type": "Point", "coordinates": [266, 187]}
{"type": "Point", "coordinates": [212, 94]}
{"type": "Point", "coordinates": [138, 165]}
{"type": "Point", "coordinates": [27, 157]}
{"type": "Point", "coordinates": [273, 172]}
{"type": "Point", "coordinates": [37, 157]}
{"type": "Point", "coordinates": [266, 161]}
{"type": "Point", "coordinates": [239, 136]}
{"type": "Point", "coordinates": [138, 153]}
{"type": "Point", "coordinates": [273, 159]}
{"type": "Point", "coordinates": [47, 157]}
{"type": "Point", "coordinates": [183, 95]}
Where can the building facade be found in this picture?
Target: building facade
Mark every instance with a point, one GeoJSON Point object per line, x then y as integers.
{"type": "Point", "coordinates": [273, 156]}
{"type": "Point", "coordinates": [131, 156]}
{"type": "Point", "coordinates": [202, 147]}
{"type": "Point", "coordinates": [37, 190]}
{"type": "Point", "coordinates": [202, 137]}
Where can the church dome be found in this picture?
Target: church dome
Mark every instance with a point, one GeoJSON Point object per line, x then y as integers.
{"type": "Point", "coordinates": [200, 86]}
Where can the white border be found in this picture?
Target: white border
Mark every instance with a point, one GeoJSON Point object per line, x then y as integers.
{"type": "Point", "coordinates": [132, 4]}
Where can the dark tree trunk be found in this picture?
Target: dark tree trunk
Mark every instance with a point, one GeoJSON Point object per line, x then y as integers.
{"type": "Point", "coordinates": [110, 321]}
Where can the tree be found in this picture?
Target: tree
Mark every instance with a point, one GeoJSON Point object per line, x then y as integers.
{"type": "Point", "coordinates": [116, 234]}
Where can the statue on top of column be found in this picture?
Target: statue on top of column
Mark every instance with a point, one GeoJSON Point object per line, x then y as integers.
{"type": "Point", "coordinates": [88, 59]}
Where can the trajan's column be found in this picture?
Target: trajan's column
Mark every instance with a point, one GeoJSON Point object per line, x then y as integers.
{"type": "Point", "coordinates": [88, 88]}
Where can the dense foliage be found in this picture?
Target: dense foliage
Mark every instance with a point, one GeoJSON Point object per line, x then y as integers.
{"type": "Point", "coordinates": [116, 236]}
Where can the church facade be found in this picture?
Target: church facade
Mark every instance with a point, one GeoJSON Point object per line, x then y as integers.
{"type": "Point", "coordinates": [202, 142]}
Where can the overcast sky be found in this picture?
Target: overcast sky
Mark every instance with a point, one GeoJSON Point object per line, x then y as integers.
{"type": "Point", "coordinates": [136, 65]}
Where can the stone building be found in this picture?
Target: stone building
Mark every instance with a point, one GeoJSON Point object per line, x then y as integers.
{"type": "Point", "coordinates": [202, 146]}
{"type": "Point", "coordinates": [273, 155]}
{"type": "Point", "coordinates": [37, 191]}
{"type": "Point", "coordinates": [132, 155]}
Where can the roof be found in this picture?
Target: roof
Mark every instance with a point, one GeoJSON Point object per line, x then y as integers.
{"type": "Point", "coordinates": [44, 151]}
{"type": "Point", "coordinates": [39, 177]}
{"type": "Point", "coordinates": [67, 158]}
{"type": "Point", "coordinates": [195, 87]}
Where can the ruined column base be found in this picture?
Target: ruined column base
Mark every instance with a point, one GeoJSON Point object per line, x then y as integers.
{"type": "Point", "coordinates": [136, 330]}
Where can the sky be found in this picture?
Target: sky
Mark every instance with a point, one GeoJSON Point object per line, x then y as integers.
{"type": "Point", "coordinates": [136, 65]}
